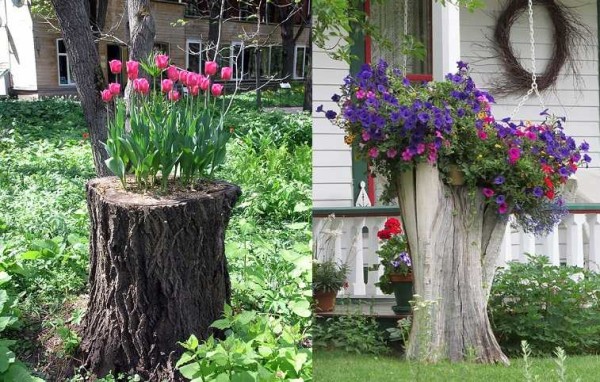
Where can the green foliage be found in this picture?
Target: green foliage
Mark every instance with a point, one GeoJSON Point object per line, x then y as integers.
{"type": "Point", "coordinates": [329, 275]}
{"type": "Point", "coordinates": [353, 333]}
{"type": "Point", "coordinates": [257, 347]}
{"type": "Point", "coordinates": [548, 306]}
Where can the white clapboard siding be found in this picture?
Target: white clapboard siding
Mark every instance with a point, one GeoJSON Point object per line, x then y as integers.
{"type": "Point", "coordinates": [576, 99]}
{"type": "Point", "coordinates": [17, 45]}
{"type": "Point", "coordinates": [332, 159]}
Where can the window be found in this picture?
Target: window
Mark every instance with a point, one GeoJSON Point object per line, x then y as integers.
{"type": "Point", "coordinates": [65, 72]}
{"type": "Point", "coordinates": [237, 60]}
{"type": "Point", "coordinates": [193, 56]}
{"type": "Point", "coordinates": [161, 48]}
{"type": "Point", "coordinates": [300, 62]}
{"type": "Point", "coordinates": [276, 61]}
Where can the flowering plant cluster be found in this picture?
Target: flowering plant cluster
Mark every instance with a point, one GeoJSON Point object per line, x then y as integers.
{"type": "Point", "coordinates": [166, 133]}
{"type": "Point", "coordinates": [519, 168]}
{"type": "Point", "coordinates": [393, 254]}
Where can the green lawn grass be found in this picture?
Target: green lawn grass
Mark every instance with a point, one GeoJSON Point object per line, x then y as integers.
{"type": "Point", "coordinates": [334, 366]}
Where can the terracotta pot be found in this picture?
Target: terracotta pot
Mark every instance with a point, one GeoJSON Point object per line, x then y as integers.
{"type": "Point", "coordinates": [456, 177]}
{"type": "Point", "coordinates": [324, 301]}
{"type": "Point", "coordinates": [403, 292]}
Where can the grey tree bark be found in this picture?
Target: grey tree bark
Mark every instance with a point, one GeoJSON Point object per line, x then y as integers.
{"type": "Point", "coordinates": [454, 243]}
{"type": "Point", "coordinates": [158, 273]}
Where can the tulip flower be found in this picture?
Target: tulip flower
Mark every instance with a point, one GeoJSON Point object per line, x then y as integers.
{"type": "Point", "coordinates": [204, 83]}
{"type": "Point", "coordinates": [162, 61]}
{"type": "Point", "coordinates": [173, 73]}
{"type": "Point", "coordinates": [166, 85]}
{"type": "Point", "coordinates": [133, 69]}
{"type": "Point", "coordinates": [194, 90]}
{"type": "Point", "coordinates": [115, 88]}
{"type": "Point", "coordinates": [173, 95]}
{"type": "Point", "coordinates": [226, 72]}
{"type": "Point", "coordinates": [141, 85]}
{"type": "Point", "coordinates": [216, 90]}
{"type": "Point", "coordinates": [183, 75]}
{"type": "Point", "coordinates": [193, 79]}
{"type": "Point", "coordinates": [210, 68]}
{"type": "Point", "coordinates": [115, 66]}
{"type": "Point", "coordinates": [106, 95]}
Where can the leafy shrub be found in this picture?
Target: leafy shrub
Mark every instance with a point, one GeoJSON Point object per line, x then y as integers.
{"type": "Point", "coordinates": [354, 333]}
{"type": "Point", "coordinates": [548, 306]}
{"type": "Point", "coordinates": [257, 347]}
{"type": "Point", "coordinates": [329, 276]}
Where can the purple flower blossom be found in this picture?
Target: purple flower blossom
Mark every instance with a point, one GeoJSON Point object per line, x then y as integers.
{"type": "Point", "coordinates": [330, 114]}
{"type": "Point", "coordinates": [336, 98]}
{"type": "Point", "coordinates": [319, 109]}
{"type": "Point", "coordinates": [499, 180]}
{"type": "Point", "coordinates": [500, 199]}
{"type": "Point", "coordinates": [538, 192]}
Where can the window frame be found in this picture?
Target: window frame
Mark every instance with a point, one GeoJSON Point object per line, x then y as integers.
{"type": "Point", "coordinates": [304, 47]}
{"type": "Point", "coordinates": [70, 81]}
{"type": "Point", "coordinates": [193, 40]}
{"type": "Point", "coordinates": [168, 45]}
{"type": "Point", "coordinates": [233, 62]}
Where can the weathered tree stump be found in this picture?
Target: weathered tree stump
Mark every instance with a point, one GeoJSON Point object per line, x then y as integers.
{"type": "Point", "coordinates": [454, 243]}
{"type": "Point", "coordinates": [158, 273]}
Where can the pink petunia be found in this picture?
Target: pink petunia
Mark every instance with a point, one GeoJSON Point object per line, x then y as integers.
{"type": "Point", "coordinates": [366, 136]}
{"type": "Point", "coordinates": [487, 192]}
{"type": "Point", "coordinates": [482, 134]}
{"type": "Point", "coordinates": [420, 148]}
{"type": "Point", "coordinates": [513, 155]}
{"type": "Point", "coordinates": [373, 152]}
{"type": "Point", "coordinates": [391, 153]}
{"type": "Point", "coordinates": [406, 155]}
{"type": "Point", "coordinates": [502, 208]}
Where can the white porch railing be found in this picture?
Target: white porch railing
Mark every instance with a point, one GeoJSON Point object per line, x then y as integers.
{"type": "Point", "coordinates": [352, 237]}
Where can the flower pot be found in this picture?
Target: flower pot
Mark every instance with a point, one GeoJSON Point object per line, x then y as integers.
{"type": "Point", "coordinates": [456, 177]}
{"type": "Point", "coordinates": [403, 292]}
{"type": "Point", "coordinates": [324, 301]}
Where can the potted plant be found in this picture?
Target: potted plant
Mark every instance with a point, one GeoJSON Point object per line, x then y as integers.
{"type": "Point", "coordinates": [329, 277]}
{"type": "Point", "coordinates": [397, 274]}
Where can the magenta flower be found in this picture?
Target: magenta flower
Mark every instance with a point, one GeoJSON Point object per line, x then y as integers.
{"type": "Point", "coordinates": [502, 208]}
{"type": "Point", "coordinates": [482, 134]}
{"type": "Point", "coordinates": [487, 192]}
{"type": "Point", "coordinates": [513, 155]}
{"type": "Point", "coordinates": [406, 155]}
{"type": "Point", "coordinates": [373, 152]}
{"type": "Point", "coordinates": [391, 153]}
{"type": "Point", "coordinates": [366, 136]}
{"type": "Point", "coordinates": [420, 148]}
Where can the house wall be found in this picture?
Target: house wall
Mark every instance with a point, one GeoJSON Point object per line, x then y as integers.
{"type": "Point", "coordinates": [16, 45]}
{"type": "Point", "coordinates": [332, 158]}
{"type": "Point", "coordinates": [166, 14]}
{"type": "Point", "coordinates": [577, 101]}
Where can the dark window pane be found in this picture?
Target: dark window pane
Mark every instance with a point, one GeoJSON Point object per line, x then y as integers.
{"type": "Point", "coordinates": [299, 72]}
{"type": "Point", "coordinates": [276, 61]}
{"type": "Point", "coordinates": [238, 60]}
{"type": "Point", "coordinates": [63, 70]}
{"type": "Point", "coordinates": [265, 53]}
{"type": "Point", "coordinates": [194, 57]}
{"type": "Point", "coordinates": [224, 56]}
{"type": "Point", "coordinates": [61, 46]}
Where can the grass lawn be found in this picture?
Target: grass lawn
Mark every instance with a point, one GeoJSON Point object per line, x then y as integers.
{"type": "Point", "coordinates": [337, 366]}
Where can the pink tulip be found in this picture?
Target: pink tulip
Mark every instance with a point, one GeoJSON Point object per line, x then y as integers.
{"type": "Point", "coordinates": [183, 75]}
{"type": "Point", "coordinates": [115, 66]}
{"type": "Point", "coordinates": [216, 90]}
{"type": "Point", "coordinates": [141, 85]}
{"type": "Point", "coordinates": [210, 68]}
{"type": "Point", "coordinates": [193, 79]}
{"type": "Point", "coordinates": [226, 72]}
{"type": "Point", "coordinates": [133, 68]}
{"type": "Point", "coordinates": [173, 73]}
{"type": "Point", "coordinates": [204, 83]}
{"type": "Point", "coordinates": [106, 95]}
{"type": "Point", "coordinates": [162, 61]}
{"type": "Point", "coordinates": [115, 88]}
{"type": "Point", "coordinates": [173, 95]}
{"type": "Point", "coordinates": [166, 85]}
{"type": "Point", "coordinates": [194, 90]}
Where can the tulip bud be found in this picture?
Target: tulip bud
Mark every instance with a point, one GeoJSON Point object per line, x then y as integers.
{"type": "Point", "coordinates": [173, 95]}
{"type": "Point", "coordinates": [166, 85]}
{"type": "Point", "coordinates": [193, 79]}
{"type": "Point", "coordinates": [194, 90]}
{"type": "Point", "coordinates": [141, 85]}
{"type": "Point", "coordinates": [162, 61]}
{"type": "Point", "coordinates": [115, 88]}
{"type": "Point", "coordinates": [106, 95]}
{"type": "Point", "coordinates": [132, 69]}
{"type": "Point", "coordinates": [216, 90]}
{"type": "Point", "coordinates": [183, 75]}
{"type": "Point", "coordinates": [210, 68]}
{"type": "Point", "coordinates": [173, 73]}
{"type": "Point", "coordinates": [226, 72]}
{"type": "Point", "coordinates": [115, 66]}
{"type": "Point", "coordinates": [204, 83]}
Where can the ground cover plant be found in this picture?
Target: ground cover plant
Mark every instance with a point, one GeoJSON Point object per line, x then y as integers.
{"type": "Point", "coordinates": [45, 161]}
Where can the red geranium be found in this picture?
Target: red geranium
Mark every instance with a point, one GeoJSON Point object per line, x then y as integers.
{"type": "Point", "coordinates": [392, 227]}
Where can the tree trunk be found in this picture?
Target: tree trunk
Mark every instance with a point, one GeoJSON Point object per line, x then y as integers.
{"type": "Point", "coordinates": [454, 243]}
{"type": "Point", "coordinates": [141, 29]}
{"type": "Point", "coordinates": [307, 103]}
{"type": "Point", "coordinates": [288, 43]}
{"type": "Point", "coordinates": [85, 63]}
{"type": "Point", "coordinates": [158, 273]}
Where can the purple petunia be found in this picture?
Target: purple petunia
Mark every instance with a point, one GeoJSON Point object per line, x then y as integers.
{"type": "Point", "coordinates": [499, 180]}
{"type": "Point", "coordinates": [538, 192]}
{"type": "Point", "coordinates": [330, 114]}
{"type": "Point", "coordinates": [500, 199]}
{"type": "Point", "coordinates": [336, 98]}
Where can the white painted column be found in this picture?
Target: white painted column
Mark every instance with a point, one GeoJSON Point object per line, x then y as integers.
{"type": "Point", "coordinates": [574, 224]}
{"type": "Point", "coordinates": [445, 29]}
{"type": "Point", "coordinates": [358, 282]}
{"type": "Point", "coordinates": [551, 246]}
{"type": "Point", "coordinates": [506, 247]}
{"type": "Point", "coordinates": [594, 229]}
{"type": "Point", "coordinates": [527, 245]}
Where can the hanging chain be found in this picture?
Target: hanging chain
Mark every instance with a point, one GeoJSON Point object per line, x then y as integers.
{"type": "Point", "coordinates": [534, 85]}
{"type": "Point", "coordinates": [404, 67]}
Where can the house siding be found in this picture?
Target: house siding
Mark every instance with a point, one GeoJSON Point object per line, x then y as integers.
{"type": "Point", "coordinates": [16, 45]}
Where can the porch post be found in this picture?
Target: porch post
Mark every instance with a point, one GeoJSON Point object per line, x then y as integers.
{"type": "Point", "coordinates": [445, 33]}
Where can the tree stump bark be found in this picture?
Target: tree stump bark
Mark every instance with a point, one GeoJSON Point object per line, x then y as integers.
{"type": "Point", "coordinates": [454, 243]}
{"type": "Point", "coordinates": [158, 273]}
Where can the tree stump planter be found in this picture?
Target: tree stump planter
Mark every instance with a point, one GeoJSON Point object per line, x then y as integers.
{"type": "Point", "coordinates": [454, 243]}
{"type": "Point", "coordinates": [158, 273]}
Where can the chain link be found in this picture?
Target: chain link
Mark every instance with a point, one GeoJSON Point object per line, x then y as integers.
{"type": "Point", "coordinates": [534, 85]}
{"type": "Point", "coordinates": [404, 67]}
